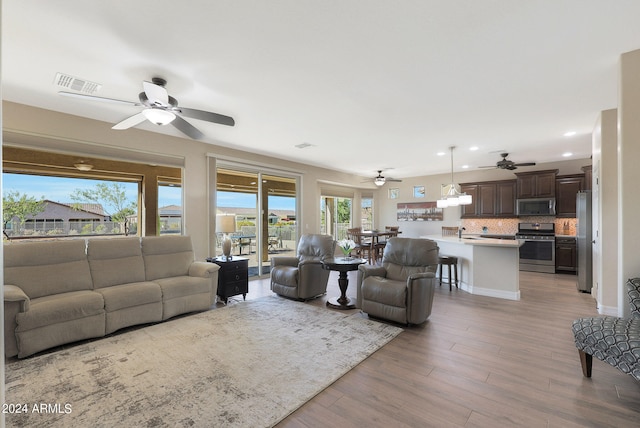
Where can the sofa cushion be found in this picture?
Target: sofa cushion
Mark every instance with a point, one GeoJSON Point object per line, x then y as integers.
{"type": "Point", "coordinates": [389, 292]}
{"type": "Point", "coordinates": [115, 261]}
{"type": "Point", "coordinates": [48, 267]}
{"type": "Point", "coordinates": [285, 275]}
{"type": "Point", "coordinates": [59, 308]}
{"type": "Point", "coordinates": [123, 296]}
{"type": "Point", "coordinates": [180, 286]}
{"type": "Point", "coordinates": [166, 256]}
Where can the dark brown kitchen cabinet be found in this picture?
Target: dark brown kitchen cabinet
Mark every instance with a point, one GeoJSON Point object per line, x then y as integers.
{"type": "Point", "coordinates": [567, 188]}
{"type": "Point", "coordinates": [536, 184]}
{"type": "Point", "coordinates": [566, 255]}
{"type": "Point", "coordinates": [469, 211]}
{"type": "Point", "coordinates": [506, 198]}
{"type": "Point", "coordinates": [486, 200]}
{"type": "Point", "coordinates": [489, 199]}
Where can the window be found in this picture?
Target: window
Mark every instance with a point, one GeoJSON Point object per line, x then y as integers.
{"type": "Point", "coordinates": [51, 179]}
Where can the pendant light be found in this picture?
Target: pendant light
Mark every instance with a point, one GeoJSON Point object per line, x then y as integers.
{"type": "Point", "coordinates": [450, 195]}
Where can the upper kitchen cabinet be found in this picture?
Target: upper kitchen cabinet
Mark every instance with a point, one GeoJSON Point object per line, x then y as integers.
{"type": "Point", "coordinates": [567, 186]}
{"type": "Point", "coordinates": [489, 199]}
{"type": "Point", "coordinates": [506, 198]}
{"type": "Point", "coordinates": [536, 184]}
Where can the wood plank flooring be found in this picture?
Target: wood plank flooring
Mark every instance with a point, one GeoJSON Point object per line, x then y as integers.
{"type": "Point", "coordinates": [478, 362]}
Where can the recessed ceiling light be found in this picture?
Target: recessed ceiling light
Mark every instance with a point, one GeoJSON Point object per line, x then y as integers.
{"type": "Point", "coordinates": [570, 133]}
{"type": "Point", "coordinates": [465, 166]}
{"type": "Point", "coordinates": [441, 153]}
{"type": "Point", "coordinates": [567, 154]}
{"type": "Point", "coordinates": [474, 148]}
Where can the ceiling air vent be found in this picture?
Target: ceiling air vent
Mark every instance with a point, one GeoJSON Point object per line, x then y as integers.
{"type": "Point", "coordinates": [76, 84]}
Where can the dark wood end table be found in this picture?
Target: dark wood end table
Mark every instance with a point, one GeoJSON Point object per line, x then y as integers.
{"type": "Point", "coordinates": [342, 265]}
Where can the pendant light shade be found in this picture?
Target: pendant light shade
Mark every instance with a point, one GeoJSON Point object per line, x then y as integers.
{"type": "Point", "coordinates": [450, 195]}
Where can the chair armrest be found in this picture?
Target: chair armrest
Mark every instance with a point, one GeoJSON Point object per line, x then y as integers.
{"type": "Point", "coordinates": [420, 291]}
{"type": "Point", "coordinates": [416, 276]}
{"type": "Point", "coordinates": [365, 271]}
{"type": "Point", "coordinates": [284, 261]}
{"type": "Point", "coordinates": [203, 269]}
{"type": "Point", "coordinates": [13, 293]}
{"type": "Point", "coordinates": [368, 270]}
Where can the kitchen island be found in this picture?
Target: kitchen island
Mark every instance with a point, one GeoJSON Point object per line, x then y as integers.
{"type": "Point", "coordinates": [487, 266]}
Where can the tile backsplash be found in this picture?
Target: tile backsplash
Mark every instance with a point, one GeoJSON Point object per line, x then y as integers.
{"type": "Point", "coordinates": [509, 226]}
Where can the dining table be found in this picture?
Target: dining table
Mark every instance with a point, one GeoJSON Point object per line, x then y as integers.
{"type": "Point", "coordinates": [376, 246]}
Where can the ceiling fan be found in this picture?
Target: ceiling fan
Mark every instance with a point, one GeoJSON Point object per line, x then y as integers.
{"type": "Point", "coordinates": [160, 109]}
{"type": "Point", "coordinates": [380, 179]}
{"type": "Point", "coordinates": [508, 164]}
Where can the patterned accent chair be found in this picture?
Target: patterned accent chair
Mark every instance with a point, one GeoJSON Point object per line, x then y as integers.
{"type": "Point", "coordinates": [611, 339]}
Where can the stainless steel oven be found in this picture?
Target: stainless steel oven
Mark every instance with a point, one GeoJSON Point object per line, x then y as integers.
{"type": "Point", "coordinates": [538, 253]}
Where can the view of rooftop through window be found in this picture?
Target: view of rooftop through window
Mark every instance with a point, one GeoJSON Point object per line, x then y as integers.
{"type": "Point", "coordinates": [78, 206]}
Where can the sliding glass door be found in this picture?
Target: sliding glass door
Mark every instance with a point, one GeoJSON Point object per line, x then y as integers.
{"type": "Point", "coordinates": [264, 206]}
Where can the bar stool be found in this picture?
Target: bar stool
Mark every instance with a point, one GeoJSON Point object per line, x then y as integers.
{"type": "Point", "coordinates": [448, 261]}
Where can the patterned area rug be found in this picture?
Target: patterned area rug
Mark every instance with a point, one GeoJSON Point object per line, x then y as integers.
{"type": "Point", "coordinates": [248, 364]}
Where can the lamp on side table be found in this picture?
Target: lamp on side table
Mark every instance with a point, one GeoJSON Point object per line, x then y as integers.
{"type": "Point", "coordinates": [226, 224]}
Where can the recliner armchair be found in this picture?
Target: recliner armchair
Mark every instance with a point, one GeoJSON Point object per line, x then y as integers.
{"type": "Point", "coordinates": [400, 289]}
{"type": "Point", "coordinates": [303, 277]}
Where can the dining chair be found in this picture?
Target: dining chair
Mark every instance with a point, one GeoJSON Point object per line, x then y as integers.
{"type": "Point", "coordinates": [363, 248]}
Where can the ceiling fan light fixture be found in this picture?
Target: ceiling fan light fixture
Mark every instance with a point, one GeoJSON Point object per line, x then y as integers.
{"type": "Point", "coordinates": [379, 181]}
{"type": "Point", "coordinates": [83, 166]}
{"type": "Point", "coordinates": [158, 116]}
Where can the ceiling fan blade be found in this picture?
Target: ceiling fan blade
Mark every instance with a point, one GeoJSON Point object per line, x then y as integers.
{"type": "Point", "coordinates": [394, 179]}
{"type": "Point", "coordinates": [130, 121]}
{"type": "Point", "coordinates": [208, 116]}
{"type": "Point", "coordinates": [525, 164]}
{"type": "Point", "coordinates": [94, 98]}
{"type": "Point", "coordinates": [155, 94]}
{"type": "Point", "coordinates": [187, 128]}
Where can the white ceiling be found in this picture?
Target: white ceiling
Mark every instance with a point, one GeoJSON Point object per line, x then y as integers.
{"type": "Point", "coordinates": [372, 84]}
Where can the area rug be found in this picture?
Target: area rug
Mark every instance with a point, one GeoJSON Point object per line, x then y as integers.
{"type": "Point", "coordinates": [250, 364]}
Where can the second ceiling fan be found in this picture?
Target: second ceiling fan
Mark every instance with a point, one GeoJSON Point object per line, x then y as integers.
{"type": "Point", "coordinates": [508, 164]}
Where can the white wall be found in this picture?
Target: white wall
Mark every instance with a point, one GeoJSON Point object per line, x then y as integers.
{"type": "Point", "coordinates": [628, 173]}
{"type": "Point", "coordinates": [605, 200]}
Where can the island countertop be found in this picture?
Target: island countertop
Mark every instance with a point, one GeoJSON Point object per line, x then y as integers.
{"type": "Point", "coordinates": [476, 240]}
{"type": "Point", "coordinates": [487, 266]}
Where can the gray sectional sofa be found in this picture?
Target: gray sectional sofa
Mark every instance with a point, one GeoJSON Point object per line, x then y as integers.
{"type": "Point", "coordinates": [61, 291]}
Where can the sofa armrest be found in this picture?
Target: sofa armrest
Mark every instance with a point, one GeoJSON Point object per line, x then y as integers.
{"type": "Point", "coordinates": [15, 301]}
{"type": "Point", "coordinates": [284, 261]}
{"type": "Point", "coordinates": [13, 293]}
{"type": "Point", "coordinates": [203, 269]}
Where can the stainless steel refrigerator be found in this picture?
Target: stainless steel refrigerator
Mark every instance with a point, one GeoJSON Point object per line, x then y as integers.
{"type": "Point", "coordinates": [584, 238]}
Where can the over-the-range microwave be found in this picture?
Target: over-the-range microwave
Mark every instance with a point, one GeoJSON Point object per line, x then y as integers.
{"type": "Point", "coordinates": [536, 206]}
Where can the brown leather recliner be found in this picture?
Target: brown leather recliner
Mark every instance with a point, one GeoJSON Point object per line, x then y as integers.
{"type": "Point", "coordinates": [401, 288]}
{"type": "Point", "coordinates": [303, 277]}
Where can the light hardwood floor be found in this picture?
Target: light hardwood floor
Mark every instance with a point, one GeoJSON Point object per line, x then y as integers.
{"type": "Point", "coordinates": [479, 362]}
